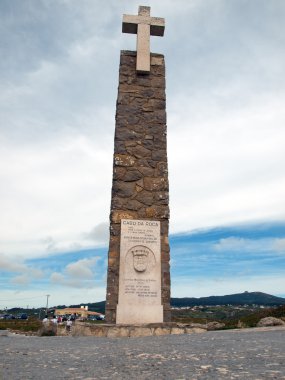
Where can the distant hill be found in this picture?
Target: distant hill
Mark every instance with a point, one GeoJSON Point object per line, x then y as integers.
{"type": "Point", "coordinates": [248, 298]}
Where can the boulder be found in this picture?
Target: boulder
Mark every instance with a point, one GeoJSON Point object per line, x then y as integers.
{"type": "Point", "coordinates": [270, 321]}
{"type": "Point", "coordinates": [215, 326]}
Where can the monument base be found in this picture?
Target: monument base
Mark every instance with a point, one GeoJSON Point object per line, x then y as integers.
{"type": "Point", "coordinates": [130, 330]}
{"type": "Point", "coordinates": [128, 314]}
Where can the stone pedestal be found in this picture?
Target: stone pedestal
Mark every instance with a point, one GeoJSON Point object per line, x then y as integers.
{"type": "Point", "coordinates": [138, 283]}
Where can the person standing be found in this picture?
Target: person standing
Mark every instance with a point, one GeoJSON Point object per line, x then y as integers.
{"type": "Point", "coordinates": [54, 320]}
{"type": "Point", "coordinates": [68, 325]}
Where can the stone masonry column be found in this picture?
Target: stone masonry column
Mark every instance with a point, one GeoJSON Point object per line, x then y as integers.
{"type": "Point", "coordinates": [140, 175]}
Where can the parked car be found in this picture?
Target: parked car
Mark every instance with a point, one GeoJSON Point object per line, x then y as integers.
{"type": "Point", "coordinates": [22, 316]}
{"type": "Point", "coordinates": [92, 318]}
{"type": "Point", "coordinates": [100, 317]}
{"type": "Point", "coordinates": [9, 316]}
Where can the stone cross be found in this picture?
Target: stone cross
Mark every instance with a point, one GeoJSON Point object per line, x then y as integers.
{"type": "Point", "coordinates": [144, 26]}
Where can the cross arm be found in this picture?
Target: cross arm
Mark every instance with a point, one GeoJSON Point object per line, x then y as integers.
{"type": "Point", "coordinates": [130, 24]}
{"type": "Point", "coordinates": [157, 26]}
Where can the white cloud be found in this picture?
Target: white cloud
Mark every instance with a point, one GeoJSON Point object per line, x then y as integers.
{"type": "Point", "coordinates": [272, 246]}
{"type": "Point", "coordinates": [50, 196]}
{"type": "Point", "coordinates": [22, 279]}
{"type": "Point", "coordinates": [11, 265]}
{"type": "Point", "coordinates": [81, 269]}
{"type": "Point", "coordinates": [225, 127]}
{"type": "Point", "coordinates": [37, 297]}
{"type": "Point", "coordinates": [228, 168]}
{"type": "Point", "coordinates": [232, 243]}
{"type": "Point", "coordinates": [57, 278]}
{"type": "Point", "coordinates": [99, 234]}
{"type": "Point", "coordinates": [81, 273]}
{"type": "Point", "coordinates": [279, 245]}
{"type": "Point", "coordinates": [16, 265]}
{"type": "Point", "coordinates": [235, 244]}
{"type": "Point", "coordinates": [50, 243]}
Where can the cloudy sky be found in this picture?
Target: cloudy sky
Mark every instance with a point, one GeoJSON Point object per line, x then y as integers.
{"type": "Point", "coordinates": [59, 62]}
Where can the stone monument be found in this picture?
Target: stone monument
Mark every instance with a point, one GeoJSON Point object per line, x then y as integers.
{"type": "Point", "coordinates": [138, 281]}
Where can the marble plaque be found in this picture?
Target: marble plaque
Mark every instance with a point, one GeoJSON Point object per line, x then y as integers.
{"type": "Point", "coordinates": [140, 273]}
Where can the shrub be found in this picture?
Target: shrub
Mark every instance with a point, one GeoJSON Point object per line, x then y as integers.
{"type": "Point", "coordinates": [48, 329]}
{"type": "Point", "coordinates": [20, 325]}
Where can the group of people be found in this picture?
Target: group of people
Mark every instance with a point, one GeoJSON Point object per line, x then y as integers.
{"type": "Point", "coordinates": [55, 320]}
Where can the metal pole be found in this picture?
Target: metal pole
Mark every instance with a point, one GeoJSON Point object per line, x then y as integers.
{"type": "Point", "coordinates": [48, 295]}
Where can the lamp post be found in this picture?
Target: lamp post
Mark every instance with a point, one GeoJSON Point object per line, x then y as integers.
{"type": "Point", "coordinates": [48, 295]}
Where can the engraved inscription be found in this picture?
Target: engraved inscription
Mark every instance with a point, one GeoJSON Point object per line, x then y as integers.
{"type": "Point", "coordinates": [140, 272]}
{"type": "Point", "coordinates": [140, 279]}
{"type": "Point", "coordinates": [140, 288]}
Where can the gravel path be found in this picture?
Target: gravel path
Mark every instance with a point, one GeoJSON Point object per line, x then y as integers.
{"type": "Point", "coordinates": [238, 354]}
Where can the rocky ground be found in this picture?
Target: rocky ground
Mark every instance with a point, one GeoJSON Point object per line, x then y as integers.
{"type": "Point", "coordinates": [235, 354]}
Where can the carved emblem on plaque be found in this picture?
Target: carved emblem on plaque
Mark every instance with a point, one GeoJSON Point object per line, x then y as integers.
{"type": "Point", "coordinates": [142, 258]}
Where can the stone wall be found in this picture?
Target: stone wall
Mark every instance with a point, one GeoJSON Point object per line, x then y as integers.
{"type": "Point", "coordinates": [119, 331]}
{"type": "Point", "coordinates": [140, 175]}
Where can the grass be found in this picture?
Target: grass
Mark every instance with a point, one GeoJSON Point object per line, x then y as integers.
{"type": "Point", "coordinates": [30, 325]}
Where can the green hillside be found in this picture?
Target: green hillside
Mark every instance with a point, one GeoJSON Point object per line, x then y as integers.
{"type": "Point", "coordinates": [249, 298]}
{"type": "Point", "coordinates": [246, 298]}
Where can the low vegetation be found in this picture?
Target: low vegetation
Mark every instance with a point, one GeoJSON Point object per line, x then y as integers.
{"type": "Point", "coordinates": [231, 316]}
{"type": "Point", "coordinates": [29, 325]}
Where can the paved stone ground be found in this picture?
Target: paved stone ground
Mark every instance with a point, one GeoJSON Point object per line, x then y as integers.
{"type": "Point", "coordinates": [238, 354]}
